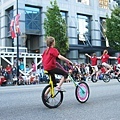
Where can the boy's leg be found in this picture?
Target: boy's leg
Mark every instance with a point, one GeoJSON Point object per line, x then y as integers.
{"type": "Point", "coordinates": [61, 82]}
{"type": "Point", "coordinates": [109, 68]}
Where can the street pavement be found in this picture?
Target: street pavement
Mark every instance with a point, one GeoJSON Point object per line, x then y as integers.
{"type": "Point", "coordinates": [24, 103]}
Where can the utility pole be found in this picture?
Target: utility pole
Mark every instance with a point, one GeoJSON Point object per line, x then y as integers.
{"type": "Point", "coordinates": [17, 44]}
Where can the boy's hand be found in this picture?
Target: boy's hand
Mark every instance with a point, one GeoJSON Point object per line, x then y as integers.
{"type": "Point", "coordinates": [70, 63]}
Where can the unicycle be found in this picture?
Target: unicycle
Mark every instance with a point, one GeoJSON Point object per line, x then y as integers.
{"type": "Point", "coordinates": [54, 97]}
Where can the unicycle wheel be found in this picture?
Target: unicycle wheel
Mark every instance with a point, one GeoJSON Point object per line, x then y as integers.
{"type": "Point", "coordinates": [93, 78]}
{"type": "Point", "coordinates": [106, 78]}
{"type": "Point", "coordinates": [49, 101]}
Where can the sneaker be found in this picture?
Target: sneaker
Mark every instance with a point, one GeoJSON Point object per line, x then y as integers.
{"type": "Point", "coordinates": [96, 79]}
{"type": "Point", "coordinates": [59, 89]}
{"type": "Point", "coordinates": [46, 98]}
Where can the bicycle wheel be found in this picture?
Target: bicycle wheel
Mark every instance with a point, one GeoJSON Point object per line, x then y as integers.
{"type": "Point", "coordinates": [52, 102]}
{"type": "Point", "coordinates": [93, 78]}
{"type": "Point", "coordinates": [106, 78]}
{"type": "Point", "coordinates": [82, 92]}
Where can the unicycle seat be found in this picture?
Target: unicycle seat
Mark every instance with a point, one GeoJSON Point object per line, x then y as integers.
{"type": "Point", "coordinates": [46, 72]}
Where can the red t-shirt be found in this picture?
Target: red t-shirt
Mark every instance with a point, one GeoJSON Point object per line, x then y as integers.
{"type": "Point", "coordinates": [49, 58]}
{"type": "Point", "coordinates": [105, 58]}
{"type": "Point", "coordinates": [118, 60]}
{"type": "Point", "coordinates": [93, 61]}
{"type": "Point", "coordinates": [103, 70]}
{"type": "Point", "coordinates": [8, 69]}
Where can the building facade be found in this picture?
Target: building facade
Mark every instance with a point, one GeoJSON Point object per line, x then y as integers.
{"type": "Point", "coordinates": [85, 20]}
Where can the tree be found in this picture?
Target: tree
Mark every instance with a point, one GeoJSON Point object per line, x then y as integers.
{"type": "Point", "coordinates": [56, 27]}
{"type": "Point", "coordinates": [113, 28]}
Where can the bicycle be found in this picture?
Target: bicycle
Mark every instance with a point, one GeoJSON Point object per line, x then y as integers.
{"type": "Point", "coordinates": [55, 97]}
{"type": "Point", "coordinates": [101, 76]}
{"type": "Point", "coordinates": [114, 74]}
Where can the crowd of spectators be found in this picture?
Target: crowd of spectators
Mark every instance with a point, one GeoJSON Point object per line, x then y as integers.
{"type": "Point", "coordinates": [36, 76]}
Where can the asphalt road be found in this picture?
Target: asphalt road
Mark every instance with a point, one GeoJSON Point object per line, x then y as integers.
{"type": "Point", "coordinates": [24, 103]}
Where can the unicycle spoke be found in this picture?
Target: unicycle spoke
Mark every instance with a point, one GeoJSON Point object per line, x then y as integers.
{"type": "Point", "coordinates": [55, 100]}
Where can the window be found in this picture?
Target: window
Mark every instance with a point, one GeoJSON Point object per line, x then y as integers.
{"type": "Point", "coordinates": [102, 31]}
{"type": "Point", "coordinates": [118, 1]}
{"type": "Point", "coordinates": [32, 18]}
{"type": "Point", "coordinates": [104, 3]}
{"type": "Point", "coordinates": [84, 35]}
{"type": "Point", "coordinates": [64, 15]}
{"type": "Point", "coordinates": [87, 2]}
{"type": "Point", "coordinates": [9, 17]}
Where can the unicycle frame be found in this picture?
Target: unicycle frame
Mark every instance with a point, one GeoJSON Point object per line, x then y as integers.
{"type": "Point", "coordinates": [51, 84]}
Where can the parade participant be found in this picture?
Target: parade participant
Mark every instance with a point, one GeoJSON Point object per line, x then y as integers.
{"type": "Point", "coordinates": [93, 59]}
{"type": "Point", "coordinates": [49, 61]}
{"type": "Point", "coordinates": [104, 59]}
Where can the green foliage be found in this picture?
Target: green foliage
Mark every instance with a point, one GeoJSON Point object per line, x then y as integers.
{"type": "Point", "coordinates": [113, 29]}
{"type": "Point", "coordinates": [56, 27]}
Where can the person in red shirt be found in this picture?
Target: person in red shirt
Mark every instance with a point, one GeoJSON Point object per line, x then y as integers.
{"type": "Point", "coordinates": [9, 71]}
{"type": "Point", "coordinates": [118, 65]}
{"type": "Point", "coordinates": [104, 59]}
{"type": "Point", "coordinates": [103, 69]}
{"type": "Point", "coordinates": [118, 60]}
{"type": "Point", "coordinates": [93, 59]}
{"type": "Point", "coordinates": [33, 67]}
{"type": "Point", "coordinates": [49, 61]}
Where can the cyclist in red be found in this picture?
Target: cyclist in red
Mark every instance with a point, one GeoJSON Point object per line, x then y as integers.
{"type": "Point", "coordinates": [118, 65]}
{"type": "Point", "coordinates": [49, 61]}
{"type": "Point", "coordinates": [118, 60]}
{"type": "Point", "coordinates": [94, 66]}
{"type": "Point", "coordinates": [93, 59]}
{"type": "Point", "coordinates": [104, 60]}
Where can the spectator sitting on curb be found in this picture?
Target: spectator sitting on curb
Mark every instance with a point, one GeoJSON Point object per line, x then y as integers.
{"type": "Point", "coordinates": [15, 80]}
{"type": "Point", "coordinates": [21, 80]}
{"type": "Point", "coordinates": [33, 67]}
